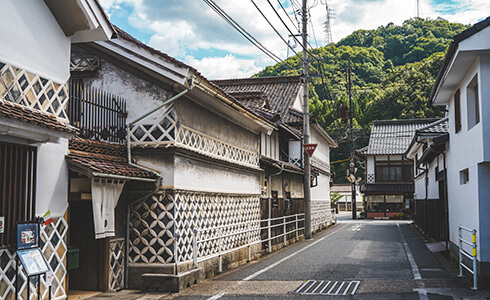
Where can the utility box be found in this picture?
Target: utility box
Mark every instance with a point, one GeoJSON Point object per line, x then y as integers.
{"type": "Point", "coordinates": [72, 258]}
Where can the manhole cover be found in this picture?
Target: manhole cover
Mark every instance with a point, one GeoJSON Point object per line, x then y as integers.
{"type": "Point", "coordinates": [323, 287]}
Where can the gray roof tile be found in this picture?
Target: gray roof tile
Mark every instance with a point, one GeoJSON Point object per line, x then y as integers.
{"type": "Point", "coordinates": [394, 136]}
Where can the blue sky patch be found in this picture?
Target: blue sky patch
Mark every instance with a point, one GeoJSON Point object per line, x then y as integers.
{"type": "Point", "coordinates": [449, 7]}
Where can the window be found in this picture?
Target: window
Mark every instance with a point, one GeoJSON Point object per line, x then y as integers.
{"type": "Point", "coordinates": [472, 102]}
{"type": "Point", "coordinates": [17, 188]}
{"type": "Point", "coordinates": [394, 171]}
{"type": "Point", "coordinates": [457, 111]}
{"type": "Point", "coordinates": [464, 176]}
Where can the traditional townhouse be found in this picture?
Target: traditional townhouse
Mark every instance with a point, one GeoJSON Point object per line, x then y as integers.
{"type": "Point", "coordinates": [428, 152]}
{"type": "Point", "coordinates": [344, 191]}
{"type": "Point", "coordinates": [461, 87]}
{"type": "Point", "coordinates": [34, 130]}
{"type": "Point", "coordinates": [282, 152]}
{"type": "Point", "coordinates": [389, 185]}
{"type": "Point", "coordinates": [190, 163]}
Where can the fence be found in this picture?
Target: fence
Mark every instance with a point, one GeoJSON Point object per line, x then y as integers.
{"type": "Point", "coordinates": [249, 228]}
{"type": "Point", "coordinates": [463, 252]}
{"type": "Point", "coordinates": [99, 115]}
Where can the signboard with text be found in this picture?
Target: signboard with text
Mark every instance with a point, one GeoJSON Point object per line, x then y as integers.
{"type": "Point", "coordinates": [310, 148]}
{"type": "Point", "coordinates": [27, 235]}
{"type": "Point", "coordinates": [33, 261]}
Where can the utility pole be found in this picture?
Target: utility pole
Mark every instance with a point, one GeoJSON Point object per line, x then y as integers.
{"type": "Point", "coordinates": [306, 126]}
{"type": "Point", "coordinates": [352, 176]}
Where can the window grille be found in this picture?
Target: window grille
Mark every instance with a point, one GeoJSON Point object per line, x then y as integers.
{"type": "Point", "coordinates": [17, 188]}
{"type": "Point", "coordinates": [99, 115]}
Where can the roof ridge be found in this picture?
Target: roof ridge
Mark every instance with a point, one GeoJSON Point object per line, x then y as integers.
{"type": "Point", "coordinates": [250, 80]}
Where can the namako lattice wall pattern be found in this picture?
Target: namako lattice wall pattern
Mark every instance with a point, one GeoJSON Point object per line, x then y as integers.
{"type": "Point", "coordinates": [202, 211]}
{"type": "Point", "coordinates": [116, 264]}
{"type": "Point", "coordinates": [53, 240]}
{"type": "Point", "coordinates": [154, 222]}
{"type": "Point", "coordinates": [151, 229]}
{"type": "Point", "coordinates": [34, 91]}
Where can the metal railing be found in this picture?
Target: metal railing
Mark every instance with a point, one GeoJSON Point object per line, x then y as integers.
{"type": "Point", "coordinates": [251, 226]}
{"type": "Point", "coordinates": [472, 256]}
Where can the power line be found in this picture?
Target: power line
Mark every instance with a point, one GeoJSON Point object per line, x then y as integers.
{"type": "Point", "coordinates": [272, 26]}
{"type": "Point", "coordinates": [295, 26]}
{"type": "Point", "coordinates": [243, 32]}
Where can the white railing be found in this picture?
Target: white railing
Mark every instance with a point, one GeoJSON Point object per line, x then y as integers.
{"type": "Point", "coordinates": [463, 252]}
{"type": "Point", "coordinates": [249, 227]}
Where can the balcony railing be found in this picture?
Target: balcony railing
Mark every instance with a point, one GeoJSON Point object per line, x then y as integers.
{"type": "Point", "coordinates": [99, 115]}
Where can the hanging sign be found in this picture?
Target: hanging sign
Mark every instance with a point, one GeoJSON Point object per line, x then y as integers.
{"type": "Point", "coordinates": [310, 148]}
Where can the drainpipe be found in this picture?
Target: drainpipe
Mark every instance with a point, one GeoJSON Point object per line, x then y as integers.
{"type": "Point", "coordinates": [190, 82]}
{"type": "Point", "coordinates": [446, 202]}
{"type": "Point", "coordinates": [269, 200]}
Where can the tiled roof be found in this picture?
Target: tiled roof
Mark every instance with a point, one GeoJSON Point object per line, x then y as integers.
{"type": "Point", "coordinates": [293, 116]}
{"type": "Point", "coordinates": [388, 188]}
{"type": "Point", "coordinates": [252, 99]}
{"type": "Point", "coordinates": [393, 136]}
{"type": "Point", "coordinates": [35, 117]}
{"type": "Point", "coordinates": [287, 166]}
{"type": "Point", "coordinates": [439, 126]}
{"type": "Point", "coordinates": [280, 91]}
{"type": "Point", "coordinates": [102, 157]}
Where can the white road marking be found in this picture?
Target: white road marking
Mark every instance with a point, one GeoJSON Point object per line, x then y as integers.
{"type": "Point", "coordinates": [250, 277]}
{"type": "Point", "coordinates": [415, 269]}
{"type": "Point", "coordinates": [356, 227]}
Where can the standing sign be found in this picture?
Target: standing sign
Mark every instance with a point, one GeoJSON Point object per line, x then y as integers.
{"type": "Point", "coordinates": [2, 222]}
{"type": "Point", "coordinates": [29, 254]}
{"type": "Point", "coordinates": [310, 148]}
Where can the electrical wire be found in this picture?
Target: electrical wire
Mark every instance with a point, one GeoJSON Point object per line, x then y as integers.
{"type": "Point", "coordinates": [272, 26]}
{"type": "Point", "coordinates": [284, 9]}
{"type": "Point", "coordinates": [243, 32]}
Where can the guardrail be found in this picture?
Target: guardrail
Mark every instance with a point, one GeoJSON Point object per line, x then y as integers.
{"type": "Point", "coordinates": [286, 220]}
{"type": "Point", "coordinates": [472, 256]}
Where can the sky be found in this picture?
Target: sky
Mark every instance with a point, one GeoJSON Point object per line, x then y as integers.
{"type": "Point", "coordinates": [189, 30]}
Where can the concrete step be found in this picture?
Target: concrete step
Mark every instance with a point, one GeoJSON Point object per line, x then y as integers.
{"type": "Point", "coordinates": [154, 282]}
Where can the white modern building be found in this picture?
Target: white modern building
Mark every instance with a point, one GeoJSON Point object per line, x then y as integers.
{"type": "Point", "coordinates": [462, 87]}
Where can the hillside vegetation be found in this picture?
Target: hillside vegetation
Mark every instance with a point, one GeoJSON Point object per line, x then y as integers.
{"type": "Point", "coordinates": [393, 71]}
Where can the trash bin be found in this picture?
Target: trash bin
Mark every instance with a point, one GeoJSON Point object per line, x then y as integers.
{"type": "Point", "coordinates": [72, 258]}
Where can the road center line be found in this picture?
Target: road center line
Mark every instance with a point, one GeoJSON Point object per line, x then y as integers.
{"type": "Point", "coordinates": [250, 277]}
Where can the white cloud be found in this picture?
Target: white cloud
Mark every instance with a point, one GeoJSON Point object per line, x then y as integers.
{"type": "Point", "coordinates": [182, 28]}
{"type": "Point", "coordinates": [224, 67]}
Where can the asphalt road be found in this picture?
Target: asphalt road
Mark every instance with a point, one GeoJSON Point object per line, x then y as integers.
{"type": "Point", "coordinates": [358, 259]}
{"type": "Point", "coordinates": [388, 259]}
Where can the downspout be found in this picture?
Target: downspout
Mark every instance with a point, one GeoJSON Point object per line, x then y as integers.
{"type": "Point", "coordinates": [446, 202]}
{"type": "Point", "coordinates": [426, 196]}
{"type": "Point", "coordinates": [269, 202]}
{"type": "Point", "coordinates": [190, 81]}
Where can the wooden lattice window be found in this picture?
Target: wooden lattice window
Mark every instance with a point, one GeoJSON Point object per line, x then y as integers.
{"type": "Point", "coordinates": [17, 188]}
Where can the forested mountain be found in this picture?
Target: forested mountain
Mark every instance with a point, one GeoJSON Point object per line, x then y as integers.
{"type": "Point", "coordinates": [393, 70]}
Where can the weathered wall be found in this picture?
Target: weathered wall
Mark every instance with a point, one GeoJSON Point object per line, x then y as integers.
{"type": "Point", "coordinates": [192, 115]}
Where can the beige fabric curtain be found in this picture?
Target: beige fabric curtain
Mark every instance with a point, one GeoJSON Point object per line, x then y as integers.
{"type": "Point", "coordinates": [105, 195]}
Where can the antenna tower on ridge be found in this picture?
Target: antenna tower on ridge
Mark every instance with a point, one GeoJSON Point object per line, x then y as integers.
{"type": "Point", "coordinates": [328, 29]}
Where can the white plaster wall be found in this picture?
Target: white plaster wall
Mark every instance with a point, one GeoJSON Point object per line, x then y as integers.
{"type": "Point", "coordinates": [419, 183]}
{"type": "Point", "coordinates": [322, 190]}
{"type": "Point", "coordinates": [485, 103]}
{"type": "Point", "coordinates": [32, 40]}
{"type": "Point", "coordinates": [370, 165]}
{"type": "Point", "coordinates": [52, 179]}
{"type": "Point", "coordinates": [203, 120]}
{"type": "Point", "coordinates": [322, 151]}
{"type": "Point", "coordinates": [433, 186]}
{"type": "Point", "coordinates": [191, 174]}
{"type": "Point", "coordinates": [463, 199]}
